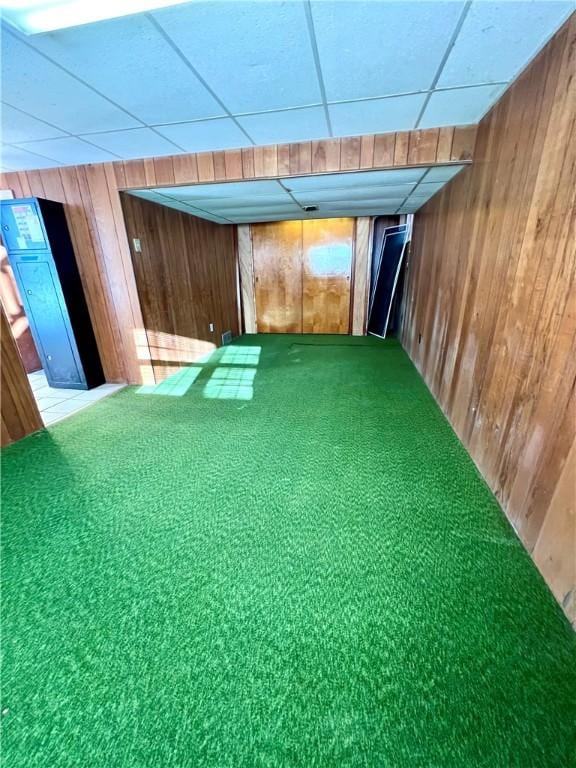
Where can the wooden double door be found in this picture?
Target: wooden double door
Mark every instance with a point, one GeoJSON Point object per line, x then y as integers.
{"type": "Point", "coordinates": [302, 275]}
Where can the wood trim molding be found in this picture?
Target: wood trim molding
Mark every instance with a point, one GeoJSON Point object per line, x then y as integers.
{"type": "Point", "coordinates": [361, 275]}
{"type": "Point", "coordinates": [246, 268]}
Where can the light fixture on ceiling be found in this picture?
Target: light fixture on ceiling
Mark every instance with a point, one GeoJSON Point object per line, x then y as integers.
{"type": "Point", "coordinates": [35, 16]}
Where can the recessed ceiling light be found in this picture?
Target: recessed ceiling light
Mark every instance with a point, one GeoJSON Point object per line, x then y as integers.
{"type": "Point", "coordinates": [34, 16]}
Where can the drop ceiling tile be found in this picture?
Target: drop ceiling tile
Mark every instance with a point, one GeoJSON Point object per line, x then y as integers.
{"type": "Point", "coordinates": [498, 39]}
{"type": "Point", "coordinates": [356, 208]}
{"type": "Point", "coordinates": [459, 106]}
{"type": "Point", "coordinates": [370, 49]}
{"type": "Point", "coordinates": [353, 194]}
{"type": "Point", "coordinates": [205, 135]}
{"type": "Point", "coordinates": [380, 210]}
{"type": "Point", "coordinates": [17, 126]}
{"type": "Point", "coordinates": [233, 189]}
{"type": "Point", "coordinates": [354, 179]}
{"type": "Point", "coordinates": [155, 84]}
{"type": "Point", "coordinates": [259, 218]}
{"type": "Point", "coordinates": [134, 143]}
{"type": "Point", "coordinates": [70, 151]}
{"type": "Point", "coordinates": [177, 205]}
{"type": "Point", "coordinates": [266, 210]}
{"type": "Point", "coordinates": [427, 190]}
{"type": "Point", "coordinates": [14, 158]}
{"type": "Point", "coordinates": [443, 173]}
{"type": "Point", "coordinates": [29, 81]}
{"type": "Point", "coordinates": [411, 207]}
{"type": "Point", "coordinates": [290, 125]}
{"type": "Point", "coordinates": [227, 203]}
{"type": "Point", "coordinates": [145, 194]}
{"type": "Point", "coordinates": [260, 53]}
{"type": "Point", "coordinates": [398, 113]}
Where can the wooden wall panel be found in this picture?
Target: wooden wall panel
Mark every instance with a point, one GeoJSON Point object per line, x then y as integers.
{"type": "Point", "coordinates": [327, 250]}
{"type": "Point", "coordinates": [187, 280]}
{"type": "Point", "coordinates": [277, 249]}
{"type": "Point", "coordinates": [20, 416]}
{"type": "Point", "coordinates": [361, 282]}
{"type": "Point", "coordinates": [490, 315]}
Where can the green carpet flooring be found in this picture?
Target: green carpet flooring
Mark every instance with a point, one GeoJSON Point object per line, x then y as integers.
{"type": "Point", "coordinates": [283, 557]}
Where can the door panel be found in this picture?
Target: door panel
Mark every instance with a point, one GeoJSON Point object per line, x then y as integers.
{"type": "Point", "coordinates": [48, 323]}
{"type": "Point", "coordinates": [277, 251]}
{"type": "Point", "coordinates": [326, 273]}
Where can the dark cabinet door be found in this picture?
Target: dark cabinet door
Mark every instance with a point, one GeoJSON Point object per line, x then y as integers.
{"type": "Point", "coordinates": [49, 322]}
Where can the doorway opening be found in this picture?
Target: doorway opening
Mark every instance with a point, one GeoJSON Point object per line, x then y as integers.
{"type": "Point", "coordinates": [43, 298]}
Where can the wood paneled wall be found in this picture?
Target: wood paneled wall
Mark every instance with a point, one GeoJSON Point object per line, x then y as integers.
{"type": "Point", "coordinates": [490, 307]}
{"type": "Point", "coordinates": [187, 281]}
{"type": "Point", "coordinates": [91, 197]}
{"type": "Point", "coordinates": [20, 414]}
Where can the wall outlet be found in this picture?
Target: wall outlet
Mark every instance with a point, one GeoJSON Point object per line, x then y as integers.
{"type": "Point", "coordinates": [211, 327]}
{"type": "Point", "coordinates": [137, 244]}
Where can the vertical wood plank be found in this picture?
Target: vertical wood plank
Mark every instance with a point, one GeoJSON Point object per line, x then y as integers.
{"type": "Point", "coordinates": [283, 159]}
{"type": "Point", "coordinates": [246, 266]}
{"type": "Point", "coordinates": [185, 169]}
{"type": "Point", "coordinates": [361, 275]}
{"type": "Point", "coordinates": [219, 166]}
{"type": "Point", "coordinates": [164, 171]}
{"type": "Point", "coordinates": [463, 142]}
{"type": "Point", "coordinates": [367, 152]}
{"type": "Point", "coordinates": [401, 148]}
{"type": "Point", "coordinates": [205, 162]}
{"type": "Point", "coordinates": [384, 145]}
{"type": "Point", "coordinates": [444, 150]}
{"type": "Point", "coordinates": [422, 146]}
{"type": "Point", "coordinates": [350, 154]}
{"type": "Point", "coordinates": [233, 163]}
{"type": "Point", "coordinates": [248, 163]}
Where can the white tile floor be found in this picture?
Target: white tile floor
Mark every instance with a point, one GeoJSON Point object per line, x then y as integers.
{"type": "Point", "coordinates": [56, 404]}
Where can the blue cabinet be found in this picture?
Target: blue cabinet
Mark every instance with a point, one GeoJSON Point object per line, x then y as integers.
{"type": "Point", "coordinates": [35, 233]}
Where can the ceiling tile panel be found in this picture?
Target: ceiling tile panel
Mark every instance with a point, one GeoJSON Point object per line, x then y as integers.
{"type": "Point", "coordinates": [260, 55]}
{"type": "Point", "coordinates": [12, 159]}
{"type": "Point", "coordinates": [498, 39]}
{"type": "Point", "coordinates": [31, 83]}
{"type": "Point", "coordinates": [370, 49]}
{"type": "Point", "coordinates": [69, 150]}
{"type": "Point", "coordinates": [397, 113]}
{"type": "Point", "coordinates": [357, 179]}
{"type": "Point", "coordinates": [129, 61]}
{"type": "Point", "coordinates": [231, 189]}
{"type": "Point", "coordinates": [357, 208]}
{"type": "Point", "coordinates": [228, 204]}
{"type": "Point", "coordinates": [17, 126]}
{"type": "Point", "coordinates": [286, 126]}
{"type": "Point", "coordinates": [353, 194]}
{"type": "Point", "coordinates": [134, 143]}
{"type": "Point", "coordinates": [459, 106]}
{"type": "Point", "coordinates": [427, 190]}
{"type": "Point", "coordinates": [443, 173]}
{"type": "Point", "coordinates": [205, 135]}
{"type": "Point", "coordinates": [268, 210]}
